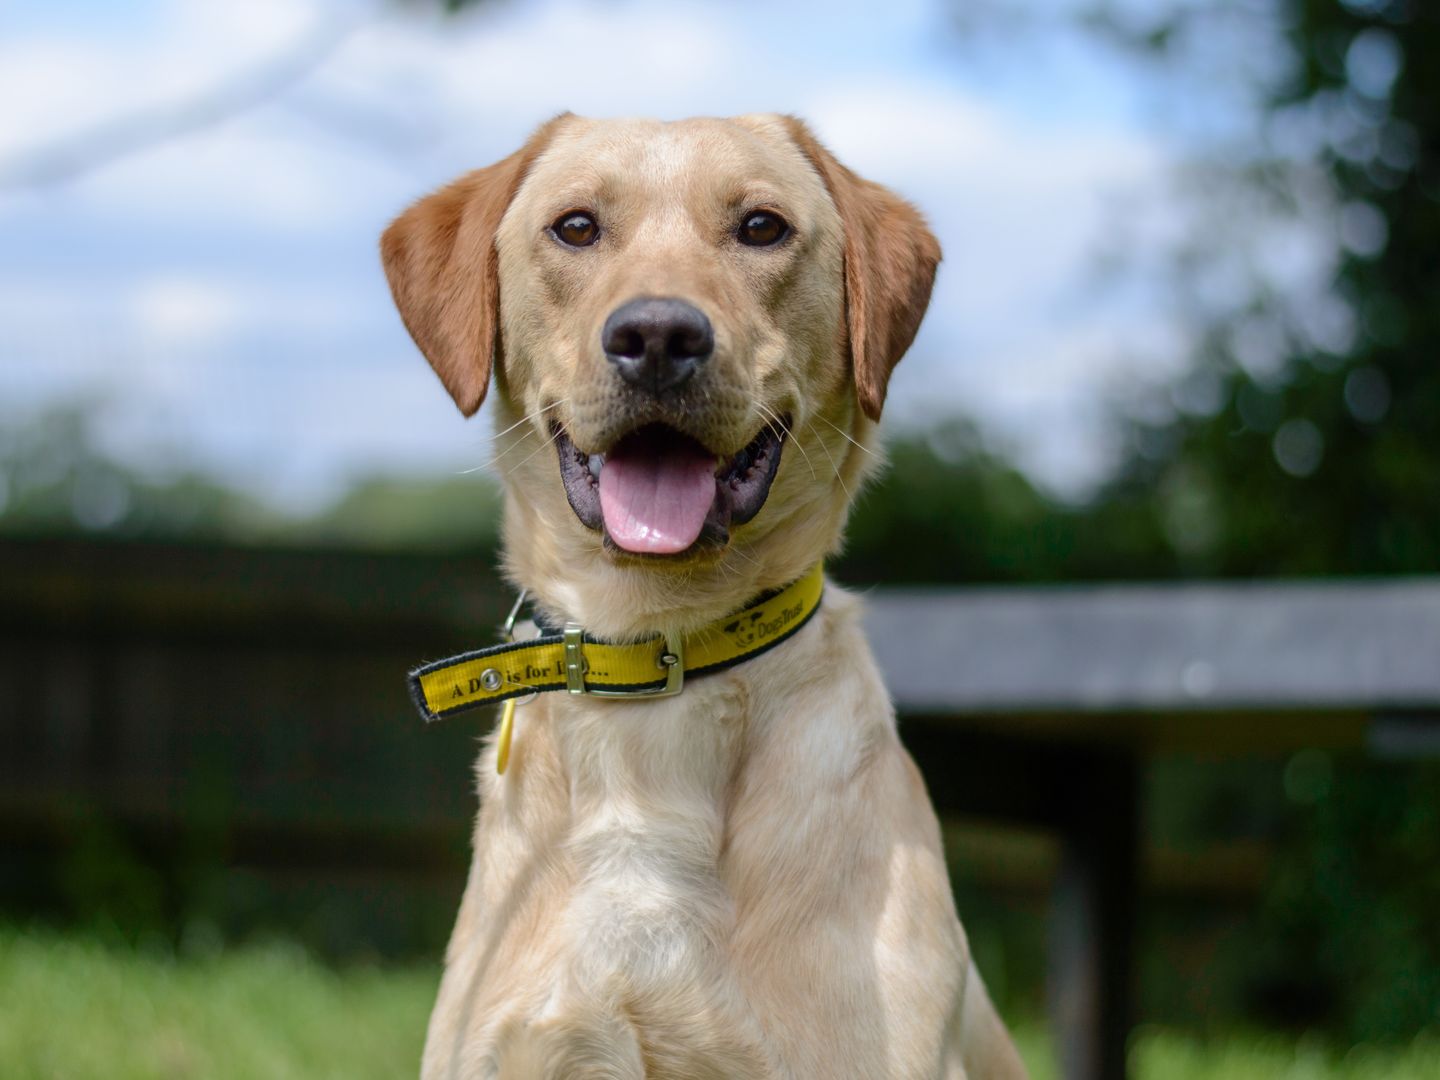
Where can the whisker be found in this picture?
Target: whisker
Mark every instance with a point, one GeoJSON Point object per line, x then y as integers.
{"type": "Point", "coordinates": [494, 460]}
{"type": "Point", "coordinates": [520, 464]}
{"type": "Point", "coordinates": [769, 423]}
{"type": "Point", "coordinates": [846, 436]}
{"type": "Point", "coordinates": [497, 458]}
{"type": "Point", "coordinates": [532, 416]}
{"type": "Point", "coordinates": [748, 558]}
{"type": "Point", "coordinates": [772, 419]}
{"type": "Point", "coordinates": [767, 411]}
{"type": "Point", "coordinates": [838, 477]}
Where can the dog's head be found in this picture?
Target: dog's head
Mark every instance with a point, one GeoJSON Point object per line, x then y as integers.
{"type": "Point", "coordinates": [701, 319]}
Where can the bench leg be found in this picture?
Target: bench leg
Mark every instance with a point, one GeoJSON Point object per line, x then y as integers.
{"type": "Point", "coordinates": [1092, 935]}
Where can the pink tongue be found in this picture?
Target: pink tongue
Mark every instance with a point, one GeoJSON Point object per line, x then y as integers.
{"type": "Point", "coordinates": [655, 498]}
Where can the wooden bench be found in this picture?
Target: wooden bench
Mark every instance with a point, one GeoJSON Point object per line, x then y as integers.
{"type": "Point", "coordinates": [1038, 705]}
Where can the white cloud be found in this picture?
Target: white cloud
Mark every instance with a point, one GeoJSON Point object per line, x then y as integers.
{"type": "Point", "coordinates": [247, 174]}
{"type": "Point", "coordinates": [928, 127]}
{"type": "Point", "coordinates": [184, 313]}
{"type": "Point", "coordinates": [255, 28]}
{"type": "Point", "coordinates": [72, 92]}
{"type": "Point", "coordinates": [63, 83]}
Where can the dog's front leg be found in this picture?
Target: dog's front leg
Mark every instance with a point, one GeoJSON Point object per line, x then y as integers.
{"type": "Point", "coordinates": [683, 1036]}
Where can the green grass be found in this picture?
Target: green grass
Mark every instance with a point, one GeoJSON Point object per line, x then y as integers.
{"type": "Point", "coordinates": [74, 1009]}
{"type": "Point", "coordinates": [1158, 1054]}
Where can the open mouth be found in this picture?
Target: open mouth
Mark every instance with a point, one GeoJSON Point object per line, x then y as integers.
{"type": "Point", "coordinates": [658, 491]}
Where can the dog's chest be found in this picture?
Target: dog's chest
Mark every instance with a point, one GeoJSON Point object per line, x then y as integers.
{"type": "Point", "coordinates": [648, 793]}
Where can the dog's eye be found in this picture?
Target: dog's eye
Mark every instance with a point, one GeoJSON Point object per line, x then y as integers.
{"type": "Point", "coordinates": [577, 228]}
{"type": "Point", "coordinates": [762, 228]}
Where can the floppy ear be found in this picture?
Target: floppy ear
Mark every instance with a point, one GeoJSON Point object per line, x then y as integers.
{"type": "Point", "coordinates": [890, 261]}
{"type": "Point", "coordinates": [444, 271]}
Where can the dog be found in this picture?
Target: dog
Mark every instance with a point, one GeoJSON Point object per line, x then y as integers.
{"type": "Point", "coordinates": [690, 327]}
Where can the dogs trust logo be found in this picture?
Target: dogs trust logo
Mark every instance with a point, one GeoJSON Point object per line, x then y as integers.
{"type": "Point", "coordinates": [755, 627]}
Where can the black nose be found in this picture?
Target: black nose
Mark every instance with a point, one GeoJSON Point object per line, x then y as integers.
{"type": "Point", "coordinates": [656, 344]}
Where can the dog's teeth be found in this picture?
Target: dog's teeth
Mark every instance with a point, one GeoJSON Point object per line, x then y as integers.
{"type": "Point", "coordinates": [596, 461]}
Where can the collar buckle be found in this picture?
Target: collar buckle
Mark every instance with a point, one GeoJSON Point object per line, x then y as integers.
{"type": "Point", "coordinates": [671, 660]}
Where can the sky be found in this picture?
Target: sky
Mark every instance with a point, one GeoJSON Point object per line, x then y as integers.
{"type": "Point", "coordinates": [217, 297]}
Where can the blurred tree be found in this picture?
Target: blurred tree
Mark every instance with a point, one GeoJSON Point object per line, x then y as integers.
{"type": "Point", "coordinates": [1347, 935]}
{"type": "Point", "coordinates": [1304, 440]}
{"type": "Point", "coordinates": [1305, 437]}
{"type": "Point", "coordinates": [948, 509]}
{"type": "Point", "coordinates": [56, 478]}
{"type": "Point", "coordinates": [412, 513]}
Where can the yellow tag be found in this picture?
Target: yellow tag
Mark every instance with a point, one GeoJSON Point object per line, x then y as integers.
{"type": "Point", "coordinates": [502, 744]}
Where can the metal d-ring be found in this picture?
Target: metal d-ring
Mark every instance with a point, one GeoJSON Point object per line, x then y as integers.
{"type": "Point", "coordinates": [507, 628]}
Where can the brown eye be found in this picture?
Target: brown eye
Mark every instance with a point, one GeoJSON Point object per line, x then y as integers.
{"type": "Point", "coordinates": [762, 228]}
{"type": "Point", "coordinates": [577, 228]}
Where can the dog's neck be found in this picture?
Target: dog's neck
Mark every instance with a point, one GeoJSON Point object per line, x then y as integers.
{"type": "Point", "coordinates": [622, 609]}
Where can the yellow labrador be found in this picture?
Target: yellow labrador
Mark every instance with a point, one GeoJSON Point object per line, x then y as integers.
{"type": "Point", "coordinates": [690, 327]}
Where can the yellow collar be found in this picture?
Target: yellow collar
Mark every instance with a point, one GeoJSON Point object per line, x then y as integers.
{"type": "Point", "coordinates": [574, 661]}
